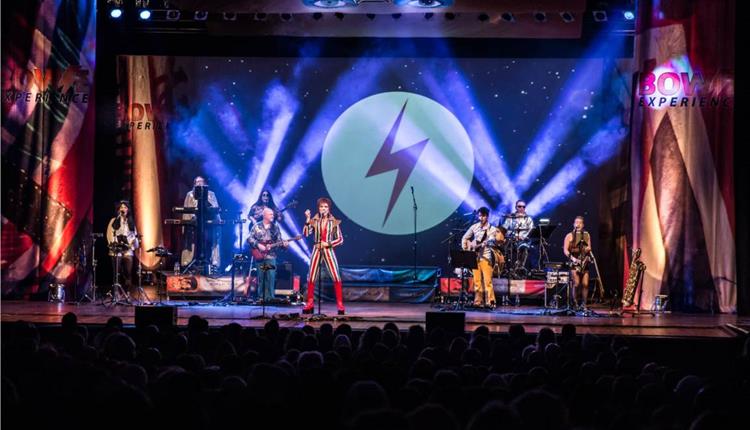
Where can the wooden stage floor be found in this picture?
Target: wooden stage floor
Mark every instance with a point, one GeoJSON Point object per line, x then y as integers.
{"type": "Point", "coordinates": [362, 315]}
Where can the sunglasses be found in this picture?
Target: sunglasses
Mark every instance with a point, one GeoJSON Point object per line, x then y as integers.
{"type": "Point", "coordinates": [520, 207]}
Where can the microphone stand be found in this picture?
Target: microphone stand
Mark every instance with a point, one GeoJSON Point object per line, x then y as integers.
{"type": "Point", "coordinates": [414, 246]}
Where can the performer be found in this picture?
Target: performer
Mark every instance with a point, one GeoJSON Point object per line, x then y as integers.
{"type": "Point", "coordinates": [519, 225]}
{"type": "Point", "coordinates": [189, 233]}
{"type": "Point", "coordinates": [482, 237]}
{"type": "Point", "coordinates": [121, 229]}
{"type": "Point", "coordinates": [327, 234]}
{"type": "Point", "coordinates": [262, 236]}
{"type": "Point", "coordinates": [577, 247]}
{"type": "Point", "coordinates": [265, 200]}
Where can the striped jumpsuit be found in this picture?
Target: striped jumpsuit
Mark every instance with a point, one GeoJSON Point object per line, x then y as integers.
{"type": "Point", "coordinates": [324, 230]}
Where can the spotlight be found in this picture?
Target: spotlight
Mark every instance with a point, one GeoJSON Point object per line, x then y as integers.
{"type": "Point", "coordinates": [144, 14]}
{"type": "Point", "coordinates": [396, 15]}
{"type": "Point", "coordinates": [426, 3]}
{"type": "Point", "coordinates": [450, 16]}
{"type": "Point", "coordinates": [200, 15]}
{"type": "Point", "coordinates": [260, 16]}
{"type": "Point", "coordinates": [423, 3]}
{"type": "Point", "coordinates": [327, 4]}
{"type": "Point", "coordinates": [339, 15]}
{"type": "Point", "coordinates": [428, 15]}
{"type": "Point", "coordinates": [370, 16]}
{"type": "Point", "coordinates": [629, 15]}
{"type": "Point", "coordinates": [229, 16]}
{"type": "Point", "coordinates": [540, 16]}
{"type": "Point", "coordinates": [567, 17]}
{"type": "Point", "coordinates": [508, 17]}
{"type": "Point", "coordinates": [600, 15]}
{"type": "Point", "coordinates": [173, 15]}
{"type": "Point", "coordinates": [483, 17]}
{"type": "Point", "coordinates": [317, 16]}
{"type": "Point", "coordinates": [115, 13]}
{"type": "Point", "coordinates": [286, 17]}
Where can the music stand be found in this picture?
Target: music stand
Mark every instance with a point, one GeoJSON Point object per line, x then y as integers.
{"type": "Point", "coordinates": [461, 259]}
{"type": "Point", "coordinates": [542, 233]}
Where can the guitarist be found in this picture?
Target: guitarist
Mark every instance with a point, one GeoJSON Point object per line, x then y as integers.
{"type": "Point", "coordinates": [480, 237]}
{"type": "Point", "coordinates": [262, 234]}
{"type": "Point", "coordinates": [265, 200]}
{"type": "Point", "coordinates": [577, 247]}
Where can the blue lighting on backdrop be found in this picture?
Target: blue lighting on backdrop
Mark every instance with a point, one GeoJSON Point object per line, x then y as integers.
{"type": "Point", "coordinates": [539, 127]}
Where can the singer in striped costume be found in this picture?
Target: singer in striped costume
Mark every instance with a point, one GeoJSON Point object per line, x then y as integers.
{"type": "Point", "coordinates": [326, 231]}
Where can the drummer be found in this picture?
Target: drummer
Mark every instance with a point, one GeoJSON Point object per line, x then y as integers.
{"type": "Point", "coordinates": [518, 226]}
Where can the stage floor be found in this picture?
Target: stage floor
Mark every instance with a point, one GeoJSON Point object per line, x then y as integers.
{"type": "Point", "coordinates": [361, 315]}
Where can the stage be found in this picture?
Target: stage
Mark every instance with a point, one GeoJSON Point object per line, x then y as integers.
{"type": "Point", "coordinates": [361, 315]}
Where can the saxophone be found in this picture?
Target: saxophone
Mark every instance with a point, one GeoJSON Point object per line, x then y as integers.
{"type": "Point", "coordinates": [634, 275]}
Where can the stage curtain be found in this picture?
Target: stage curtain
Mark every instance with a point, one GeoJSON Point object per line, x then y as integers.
{"type": "Point", "coordinates": [48, 120]}
{"type": "Point", "coordinates": [681, 182]}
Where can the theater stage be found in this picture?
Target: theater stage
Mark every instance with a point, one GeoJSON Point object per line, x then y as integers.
{"type": "Point", "coordinates": [361, 315]}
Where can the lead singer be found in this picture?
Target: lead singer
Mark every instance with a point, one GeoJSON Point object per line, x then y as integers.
{"type": "Point", "coordinates": [327, 235]}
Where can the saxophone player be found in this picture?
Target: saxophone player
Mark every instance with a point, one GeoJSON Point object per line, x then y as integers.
{"type": "Point", "coordinates": [577, 248]}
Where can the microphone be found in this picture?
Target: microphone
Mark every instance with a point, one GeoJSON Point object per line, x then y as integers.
{"type": "Point", "coordinates": [470, 213]}
{"type": "Point", "coordinates": [412, 189]}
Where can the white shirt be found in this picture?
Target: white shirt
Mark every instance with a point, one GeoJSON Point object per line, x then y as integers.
{"type": "Point", "coordinates": [525, 224]}
{"type": "Point", "coordinates": [485, 233]}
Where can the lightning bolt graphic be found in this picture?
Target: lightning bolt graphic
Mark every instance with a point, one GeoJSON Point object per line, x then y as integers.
{"type": "Point", "coordinates": [403, 161]}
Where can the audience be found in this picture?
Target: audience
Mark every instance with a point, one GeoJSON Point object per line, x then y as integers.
{"type": "Point", "coordinates": [201, 377]}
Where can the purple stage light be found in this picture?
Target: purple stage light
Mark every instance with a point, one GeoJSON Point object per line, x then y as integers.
{"type": "Point", "coordinates": [600, 148]}
{"type": "Point", "coordinates": [491, 168]}
{"type": "Point", "coordinates": [357, 83]}
{"type": "Point", "coordinates": [575, 96]}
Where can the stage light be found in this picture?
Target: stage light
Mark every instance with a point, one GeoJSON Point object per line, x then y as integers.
{"type": "Point", "coordinates": [424, 3]}
{"type": "Point", "coordinates": [567, 17]}
{"type": "Point", "coordinates": [229, 16]}
{"type": "Point", "coordinates": [328, 4]}
{"type": "Point", "coordinates": [317, 16]}
{"type": "Point", "coordinates": [200, 15]}
{"type": "Point", "coordinates": [483, 17]}
{"type": "Point", "coordinates": [600, 15]}
{"type": "Point", "coordinates": [260, 16]}
{"type": "Point", "coordinates": [339, 15]}
{"type": "Point", "coordinates": [173, 15]}
{"type": "Point", "coordinates": [144, 14]}
{"type": "Point", "coordinates": [428, 16]}
{"type": "Point", "coordinates": [286, 17]}
{"type": "Point", "coordinates": [508, 17]}
{"type": "Point", "coordinates": [629, 15]}
{"type": "Point", "coordinates": [450, 16]}
{"type": "Point", "coordinates": [540, 16]}
{"type": "Point", "coordinates": [115, 13]}
{"type": "Point", "coordinates": [396, 15]}
{"type": "Point", "coordinates": [370, 16]}
{"type": "Point", "coordinates": [578, 92]}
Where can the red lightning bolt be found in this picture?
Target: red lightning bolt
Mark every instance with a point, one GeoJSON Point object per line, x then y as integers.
{"type": "Point", "coordinates": [403, 161]}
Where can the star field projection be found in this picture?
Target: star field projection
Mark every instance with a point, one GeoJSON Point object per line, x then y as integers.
{"type": "Point", "coordinates": [271, 115]}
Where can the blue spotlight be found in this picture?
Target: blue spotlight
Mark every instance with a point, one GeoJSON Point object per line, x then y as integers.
{"type": "Point", "coordinates": [115, 13]}
{"type": "Point", "coordinates": [144, 14]}
{"type": "Point", "coordinates": [629, 15]}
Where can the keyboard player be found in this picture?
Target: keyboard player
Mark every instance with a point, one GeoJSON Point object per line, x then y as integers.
{"type": "Point", "coordinates": [189, 233]}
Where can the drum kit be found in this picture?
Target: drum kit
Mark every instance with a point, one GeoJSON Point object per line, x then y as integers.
{"type": "Point", "coordinates": [514, 248]}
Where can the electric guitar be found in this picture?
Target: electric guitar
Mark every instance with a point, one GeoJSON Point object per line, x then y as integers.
{"type": "Point", "coordinates": [582, 264]}
{"type": "Point", "coordinates": [270, 245]}
{"type": "Point", "coordinates": [259, 211]}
